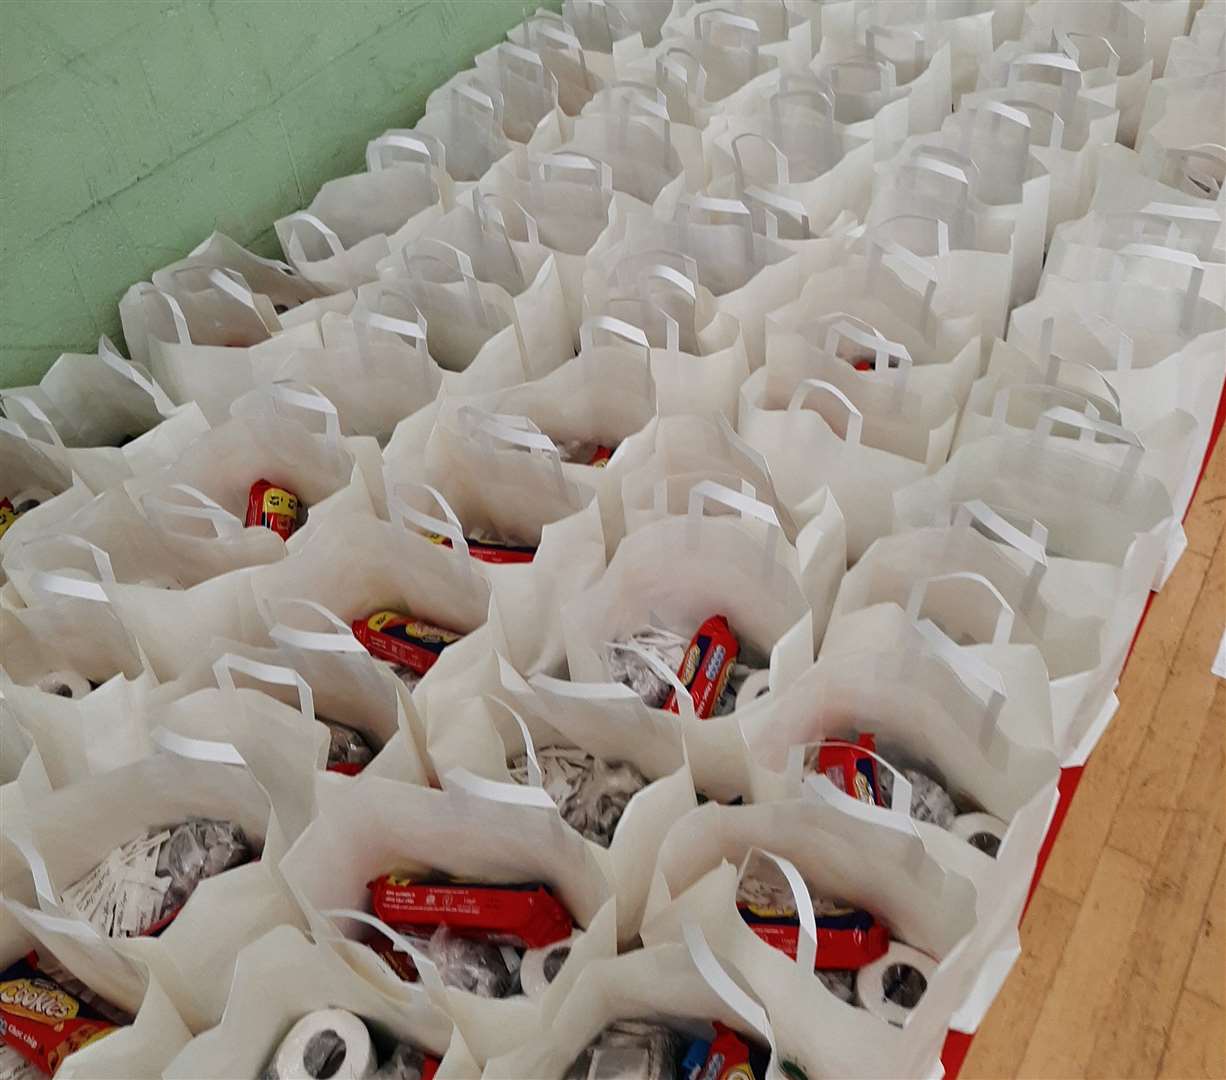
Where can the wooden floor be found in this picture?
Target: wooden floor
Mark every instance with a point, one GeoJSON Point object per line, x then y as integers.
{"type": "Point", "coordinates": [1123, 972]}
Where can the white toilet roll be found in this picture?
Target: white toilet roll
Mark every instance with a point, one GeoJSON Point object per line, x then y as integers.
{"type": "Point", "coordinates": [64, 683]}
{"type": "Point", "coordinates": [982, 831]}
{"type": "Point", "coordinates": [755, 685]}
{"type": "Point", "coordinates": [892, 985]}
{"type": "Point", "coordinates": [30, 498]}
{"type": "Point", "coordinates": [541, 966]}
{"type": "Point", "coordinates": [309, 1039]}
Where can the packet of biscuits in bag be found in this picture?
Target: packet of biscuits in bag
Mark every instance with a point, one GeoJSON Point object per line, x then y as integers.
{"type": "Point", "coordinates": [401, 639]}
{"type": "Point", "coordinates": [706, 665]}
{"type": "Point", "coordinates": [273, 507]}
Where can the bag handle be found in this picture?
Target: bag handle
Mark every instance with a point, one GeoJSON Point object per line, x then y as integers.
{"type": "Point", "coordinates": [414, 145]}
{"type": "Point", "coordinates": [980, 678]}
{"type": "Point", "coordinates": [775, 206]}
{"type": "Point", "coordinates": [133, 372]}
{"type": "Point", "coordinates": [619, 328]}
{"type": "Point", "coordinates": [1032, 547]}
{"type": "Point", "coordinates": [427, 970]}
{"type": "Point", "coordinates": [896, 816]}
{"type": "Point", "coordinates": [996, 114]}
{"type": "Point", "coordinates": [1065, 40]}
{"type": "Point", "coordinates": [1073, 399]}
{"type": "Point", "coordinates": [519, 432]}
{"type": "Point", "coordinates": [182, 331]}
{"type": "Point", "coordinates": [1053, 362]}
{"type": "Point", "coordinates": [60, 584]}
{"type": "Point", "coordinates": [887, 75]}
{"type": "Point", "coordinates": [365, 319]}
{"type": "Point", "coordinates": [708, 23]}
{"type": "Point", "coordinates": [940, 228]}
{"type": "Point", "coordinates": [685, 702]}
{"type": "Point", "coordinates": [294, 222]}
{"type": "Point", "coordinates": [1091, 426]}
{"type": "Point", "coordinates": [210, 751]}
{"type": "Point", "coordinates": [547, 166]}
{"type": "Point", "coordinates": [1208, 185]}
{"type": "Point", "coordinates": [675, 62]}
{"type": "Point", "coordinates": [782, 175]}
{"type": "Point", "coordinates": [234, 285]}
{"type": "Point", "coordinates": [855, 418]}
{"type": "Point", "coordinates": [1002, 631]}
{"type": "Point", "coordinates": [227, 664]}
{"type": "Point", "coordinates": [879, 248]}
{"type": "Point", "coordinates": [484, 205]}
{"type": "Point", "coordinates": [1066, 66]}
{"type": "Point", "coordinates": [36, 413]}
{"type": "Point", "coordinates": [709, 204]}
{"type": "Point", "coordinates": [338, 640]}
{"type": "Point", "coordinates": [725, 987]}
{"type": "Point", "coordinates": [806, 942]}
{"type": "Point", "coordinates": [225, 525]}
{"type": "Point", "coordinates": [431, 250]}
{"type": "Point", "coordinates": [919, 50]}
{"type": "Point", "coordinates": [861, 333]}
{"type": "Point", "coordinates": [1055, 132]}
{"type": "Point", "coordinates": [920, 164]}
{"type": "Point", "coordinates": [448, 525]}
{"type": "Point", "coordinates": [708, 491]}
{"type": "Point", "coordinates": [288, 393]}
{"type": "Point", "coordinates": [1196, 275]}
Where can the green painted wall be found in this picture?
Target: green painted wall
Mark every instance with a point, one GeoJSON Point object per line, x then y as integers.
{"type": "Point", "coordinates": [130, 129]}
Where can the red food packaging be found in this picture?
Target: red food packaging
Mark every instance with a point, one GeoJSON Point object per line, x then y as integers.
{"type": "Point", "coordinates": [526, 915]}
{"type": "Point", "coordinates": [489, 551]}
{"type": "Point", "coordinates": [7, 515]}
{"type": "Point", "coordinates": [851, 770]}
{"type": "Point", "coordinates": [600, 456]}
{"type": "Point", "coordinates": [401, 639]}
{"type": "Point", "coordinates": [273, 507]}
{"type": "Point", "coordinates": [728, 1058]}
{"type": "Point", "coordinates": [42, 1020]}
{"type": "Point", "coordinates": [847, 938]}
{"type": "Point", "coordinates": [706, 665]}
{"type": "Point", "coordinates": [400, 962]}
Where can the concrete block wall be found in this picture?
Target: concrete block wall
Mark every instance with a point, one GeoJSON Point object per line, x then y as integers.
{"type": "Point", "coordinates": [130, 129]}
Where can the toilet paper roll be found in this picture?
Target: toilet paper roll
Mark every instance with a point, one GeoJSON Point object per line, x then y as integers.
{"type": "Point", "coordinates": [755, 685]}
{"type": "Point", "coordinates": [892, 985]}
{"type": "Point", "coordinates": [314, 1044]}
{"type": "Point", "coordinates": [30, 498]}
{"type": "Point", "coordinates": [541, 966]}
{"type": "Point", "coordinates": [65, 683]}
{"type": "Point", "coordinates": [982, 831]}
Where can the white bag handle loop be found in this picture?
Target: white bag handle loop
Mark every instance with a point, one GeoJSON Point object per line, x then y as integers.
{"type": "Point", "coordinates": [685, 702]}
{"type": "Point", "coordinates": [781, 159]}
{"type": "Point", "coordinates": [855, 418]}
{"type": "Point", "coordinates": [896, 816]}
{"type": "Point", "coordinates": [535, 778]}
{"type": "Point", "coordinates": [707, 23]}
{"type": "Point", "coordinates": [709, 204]}
{"type": "Point", "coordinates": [414, 145]}
{"type": "Point", "coordinates": [338, 640]}
{"type": "Point", "coordinates": [61, 584]}
{"type": "Point", "coordinates": [431, 250]}
{"type": "Point", "coordinates": [1065, 39]}
{"type": "Point", "coordinates": [225, 525]}
{"type": "Point", "coordinates": [548, 165]}
{"type": "Point", "coordinates": [1133, 456]}
{"type": "Point", "coordinates": [235, 286]}
{"type": "Point", "coordinates": [287, 392]}
{"type": "Point", "coordinates": [879, 248]}
{"type": "Point", "coordinates": [940, 229]}
{"type": "Point", "coordinates": [1196, 275]}
{"type": "Point", "coordinates": [919, 50]}
{"type": "Point", "coordinates": [708, 491]}
{"type": "Point", "coordinates": [983, 680]}
{"type": "Point", "coordinates": [1059, 395]}
{"type": "Point", "coordinates": [207, 750]}
{"type": "Point", "coordinates": [1032, 547]}
{"type": "Point", "coordinates": [1054, 362]}
{"type": "Point", "coordinates": [775, 206]}
{"type": "Point", "coordinates": [134, 372]}
{"type": "Point", "coordinates": [427, 970]}
{"type": "Point", "coordinates": [920, 164]}
{"type": "Point", "coordinates": [294, 222]}
{"type": "Point", "coordinates": [806, 942]}
{"type": "Point", "coordinates": [24, 843]}
{"type": "Point", "coordinates": [1055, 133]}
{"type": "Point", "coordinates": [182, 331]}
{"type": "Point", "coordinates": [447, 526]}
{"type": "Point", "coordinates": [36, 413]}
{"type": "Point", "coordinates": [498, 791]}
{"type": "Point", "coordinates": [486, 209]}
{"type": "Point", "coordinates": [887, 76]}
{"type": "Point", "coordinates": [227, 664]}
{"type": "Point", "coordinates": [619, 328]}
{"type": "Point", "coordinates": [1070, 76]}
{"type": "Point", "coordinates": [724, 986]}
{"type": "Point", "coordinates": [1003, 629]}
{"type": "Point", "coordinates": [860, 332]}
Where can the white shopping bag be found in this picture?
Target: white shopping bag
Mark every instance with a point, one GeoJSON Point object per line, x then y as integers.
{"type": "Point", "coordinates": [202, 345]}
{"type": "Point", "coordinates": [599, 23]}
{"type": "Point", "coordinates": [674, 574]}
{"type": "Point", "coordinates": [529, 90]}
{"type": "Point", "coordinates": [806, 455]}
{"type": "Point", "coordinates": [33, 476]}
{"type": "Point", "coordinates": [272, 278]}
{"type": "Point", "coordinates": [699, 356]}
{"type": "Point", "coordinates": [874, 373]}
{"type": "Point", "coordinates": [481, 476]}
{"type": "Point", "coordinates": [23, 779]}
{"type": "Point", "coordinates": [570, 198]}
{"type": "Point", "coordinates": [355, 221]}
{"type": "Point", "coordinates": [471, 746]}
{"type": "Point", "coordinates": [78, 682]}
{"type": "Point", "coordinates": [72, 830]}
{"type": "Point", "coordinates": [103, 467]}
{"type": "Point", "coordinates": [278, 980]}
{"type": "Point", "coordinates": [579, 72]}
{"type": "Point", "coordinates": [356, 565]}
{"type": "Point", "coordinates": [883, 868]}
{"type": "Point", "coordinates": [157, 1031]}
{"type": "Point", "coordinates": [464, 123]}
{"type": "Point", "coordinates": [500, 245]}
{"type": "Point", "coordinates": [376, 826]}
{"type": "Point", "coordinates": [43, 517]}
{"type": "Point", "coordinates": [97, 399]}
{"type": "Point", "coordinates": [682, 986]}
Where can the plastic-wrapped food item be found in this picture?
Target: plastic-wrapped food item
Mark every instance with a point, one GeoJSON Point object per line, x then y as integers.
{"type": "Point", "coordinates": [708, 662]}
{"type": "Point", "coordinates": [478, 966]}
{"type": "Point", "coordinates": [630, 1050]}
{"type": "Point", "coordinates": [850, 767]}
{"type": "Point", "coordinates": [490, 547]}
{"type": "Point", "coordinates": [524, 915]}
{"type": "Point", "coordinates": [929, 800]}
{"type": "Point", "coordinates": [348, 750]}
{"type": "Point", "coordinates": [630, 669]}
{"type": "Point", "coordinates": [14, 1067]}
{"type": "Point", "coordinates": [44, 1019]}
{"type": "Point", "coordinates": [8, 514]}
{"type": "Point", "coordinates": [402, 640]}
{"type": "Point", "coordinates": [406, 1062]}
{"type": "Point", "coordinates": [581, 452]}
{"type": "Point", "coordinates": [591, 794]}
{"type": "Point", "coordinates": [141, 885]}
{"type": "Point", "coordinates": [275, 508]}
{"type": "Point", "coordinates": [406, 675]}
{"type": "Point", "coordinates": [742, 676]}
{"type": "Point", "coordinates": [841, 982]}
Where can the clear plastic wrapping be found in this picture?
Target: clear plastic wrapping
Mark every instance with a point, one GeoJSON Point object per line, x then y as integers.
{"type": "Point", "coordinates": [591, 794]}
{"type": "Point", "coordinates": [405, 1062]}
{"type": "Point", "coordinates": [480, 967]}
{"type": "Point", "coordinates": [347, 746]}
{"type": "Point", "coordinates": [630, 1050]}
{"type": "Point", "coordinates": [630, 669]}
{"type": "Point", "coordinates": [930, 802]}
